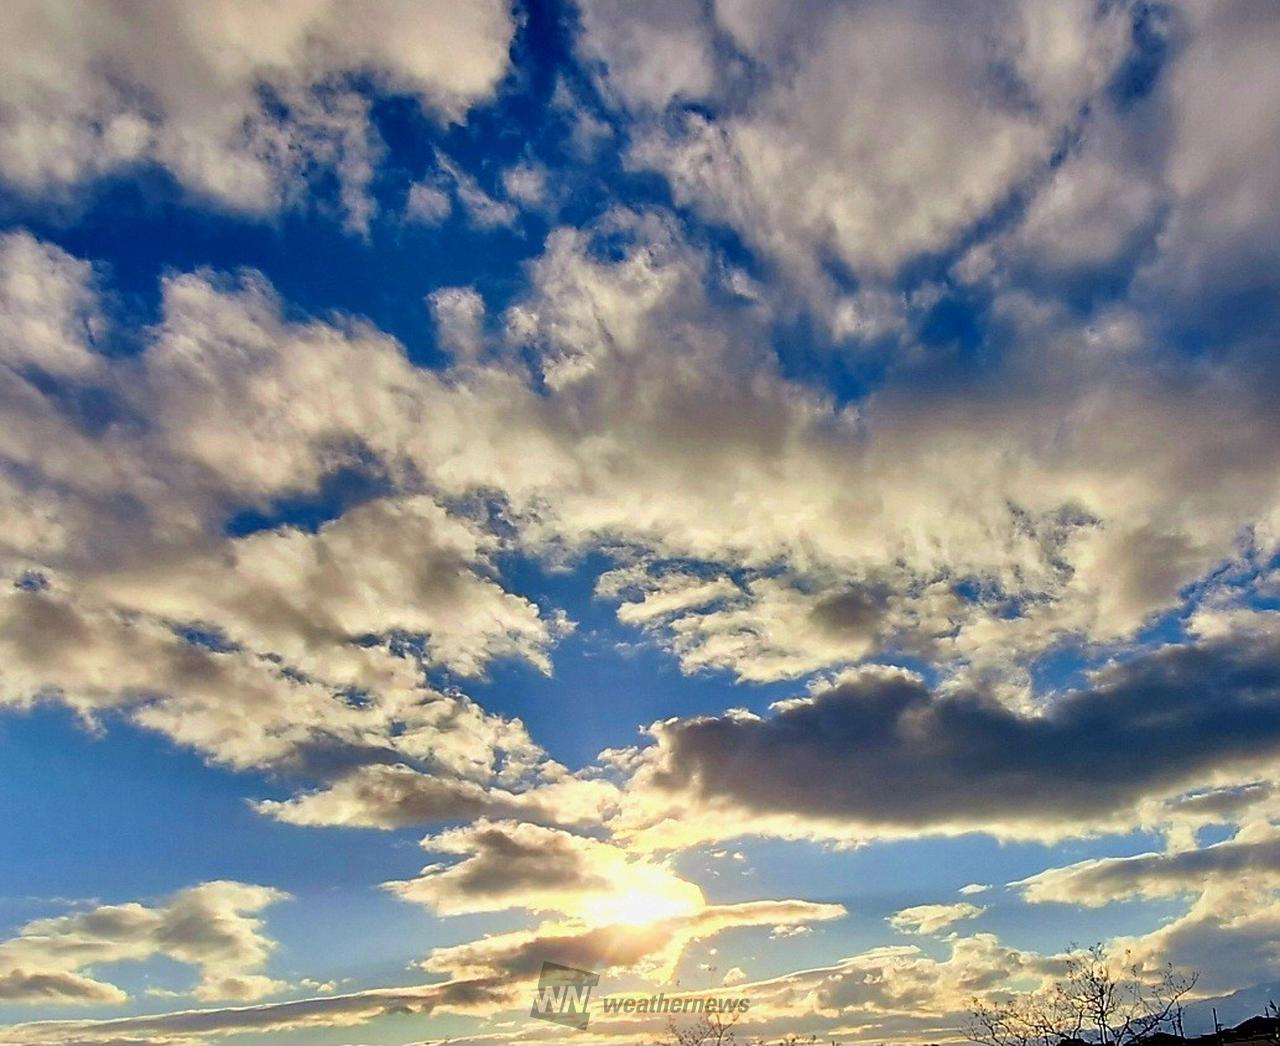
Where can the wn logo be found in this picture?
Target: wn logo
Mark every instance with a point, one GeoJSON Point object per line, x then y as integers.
{"type": "Point", "coordinates": [563, 994]}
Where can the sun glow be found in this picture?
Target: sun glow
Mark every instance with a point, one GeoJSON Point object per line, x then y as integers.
{"type": "Point", "coordinates": [642, 905]}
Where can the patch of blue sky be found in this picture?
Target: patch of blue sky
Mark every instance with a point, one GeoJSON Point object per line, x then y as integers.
{"type": "Point", "coordinates": [130, 809]}
{"type": "Point", "coordinates": [609, 680]}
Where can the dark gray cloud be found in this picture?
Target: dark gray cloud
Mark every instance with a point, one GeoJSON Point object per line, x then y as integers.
{"type": "Point", "coordinates": [856, 611]}
{"type": "Point", "coordinates": [510, 864]}
{"type": "Point", "coordinates": [56, 987]}
{"type": "Point", "coordinates": [1223, 803]}
{"type": "Point", "coordinates": [879, 749]}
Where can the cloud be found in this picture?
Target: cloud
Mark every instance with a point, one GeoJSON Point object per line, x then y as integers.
{"type": "Point", "coordinates": [1249, 860]}
{"type": "Point", "coordinates": [903, 979]}
{"type": "Point", "coordinates": [1228, 935]}
{"type": "Point", "coordinates": [1156, 192]}
{"type": "Point", "coordinates": [968, 500]}
{"type": "Point", "coordinates": [1227, 931]}
{"type": "Point", "coordinates": [483, 976]}
{"type": "Point", "coordinates": [59, 988]}
{"type": "Point", "coordinates": [328, 1011]}
{"type": "Point", "coordinates": [652, 948]}
{"type": "Point", "coordinates": [890, 992]}
{"type": "Point", "coordinates": [653, 56]}
{"type": "Point", "coordinates": [211, 926]}
{"type": "Point", "coordinates": [459, 317]}
{"type": "Point", "coordinates": [915, 537]}
{"type": "Point", "coordinates": [930, 918]}
{"type": "Point", "coordinates": [483, 210]}
{"type": "Point", "coordinates": [510, 864]}
{"type": "Point", "coordinates": [234, 102]}
{"type": "Point", "coordinates": [395, 566]}
{"type": "Point", "coordinates": [765, 628]}
{"type": "Point", "coordinates": [526, 183]}
{"type": "Point", "coordinates": [1216, 805]}
{"type": "Point", "coordinates": [236, 707]}
{"type": "Point", "coordinates": [737, 476]}
{"type": "Point", "coordinates": [903, 504]}
{"type": "Point", "coordinates": [288, 647]}
{"type": "Point", "coordinates": [1095, 209]}
{"type": "Point", "coordinates": [1218, 244]}
{"type": "Point", "coordinates": [923, 138]}
{"type": "Point", "coordinates": [51, 308]}
{"type": "Point", "coordinates": [386, 795]}
{"type": "Point", "coordinates": [663, 596]}
{"type": "Point", "coordinates": [127, 518]}
{"type": "Point", "coordinates": [876, 753]}
{"type": "Point", "coordinates": [427, 203]}
{"type": "Point", "coordinates": [783, 932]}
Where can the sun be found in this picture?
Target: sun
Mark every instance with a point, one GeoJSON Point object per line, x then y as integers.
{"type": "Point", "coordinates": [640, 906]}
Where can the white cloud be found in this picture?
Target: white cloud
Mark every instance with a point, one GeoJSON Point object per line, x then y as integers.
{"type": "Point", "coordinates": [892, 991]}
{"type": "Point", "coordinates": [878, 510]}
{"type": "Point", "coordinates": [459, 314]}
{"type": "Point", "coordinates": [309, 648]}
{"type": "Point", "coordinates": [652, 54]}
{"type": "Point", "coordinates": [396, 796]}
{"type": "Point", "coordinates": [906, 125]}
{"type": "Point", "coordinates": [526, 183]}
{"type": "Point", "coordinates": [483, 210]}
{"type": "Point", "coordinates": [427, 203]}
{"type": "Point", "coordinates": [931, 918]}
{"type": "Point", "coordinates": [211, 926]}
{"type": "Point", "coordinates": [51, 311]}
{"type": "Point", "coordinates": [93, 89]}
{"type": "Point", "coordinates": [631, 399]}
{"type": "Point", "coordinates": [1219, 104]}
{"type": "Point", "coordinates": [1250, 860]}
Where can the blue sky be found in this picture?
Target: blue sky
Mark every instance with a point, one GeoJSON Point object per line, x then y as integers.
{"type": "Point", "coordinates": [765, 501]}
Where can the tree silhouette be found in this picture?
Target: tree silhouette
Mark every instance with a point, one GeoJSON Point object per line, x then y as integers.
{"type": "Point", "coordinates": [1102, 999]}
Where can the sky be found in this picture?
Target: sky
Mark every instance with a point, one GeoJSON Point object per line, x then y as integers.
{"type": "Point", "coordinates": [768, 501]}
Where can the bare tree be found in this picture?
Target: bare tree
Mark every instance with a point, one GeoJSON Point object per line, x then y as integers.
{"type": "Point", "coordinates": [1272, 1013]}
{"type": "Point", "coordinates": [1120, 1002]}
{"type": "Point", "coordinates": [711, 1029]}
{"type": "Point", "coordinates": [1034, 1019]}
{"type": "Point", "coordinates": [1109, 1001]}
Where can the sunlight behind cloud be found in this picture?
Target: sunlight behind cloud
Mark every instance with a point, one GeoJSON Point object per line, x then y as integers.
{"type": "Point", "coordinates": [637, 906]}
